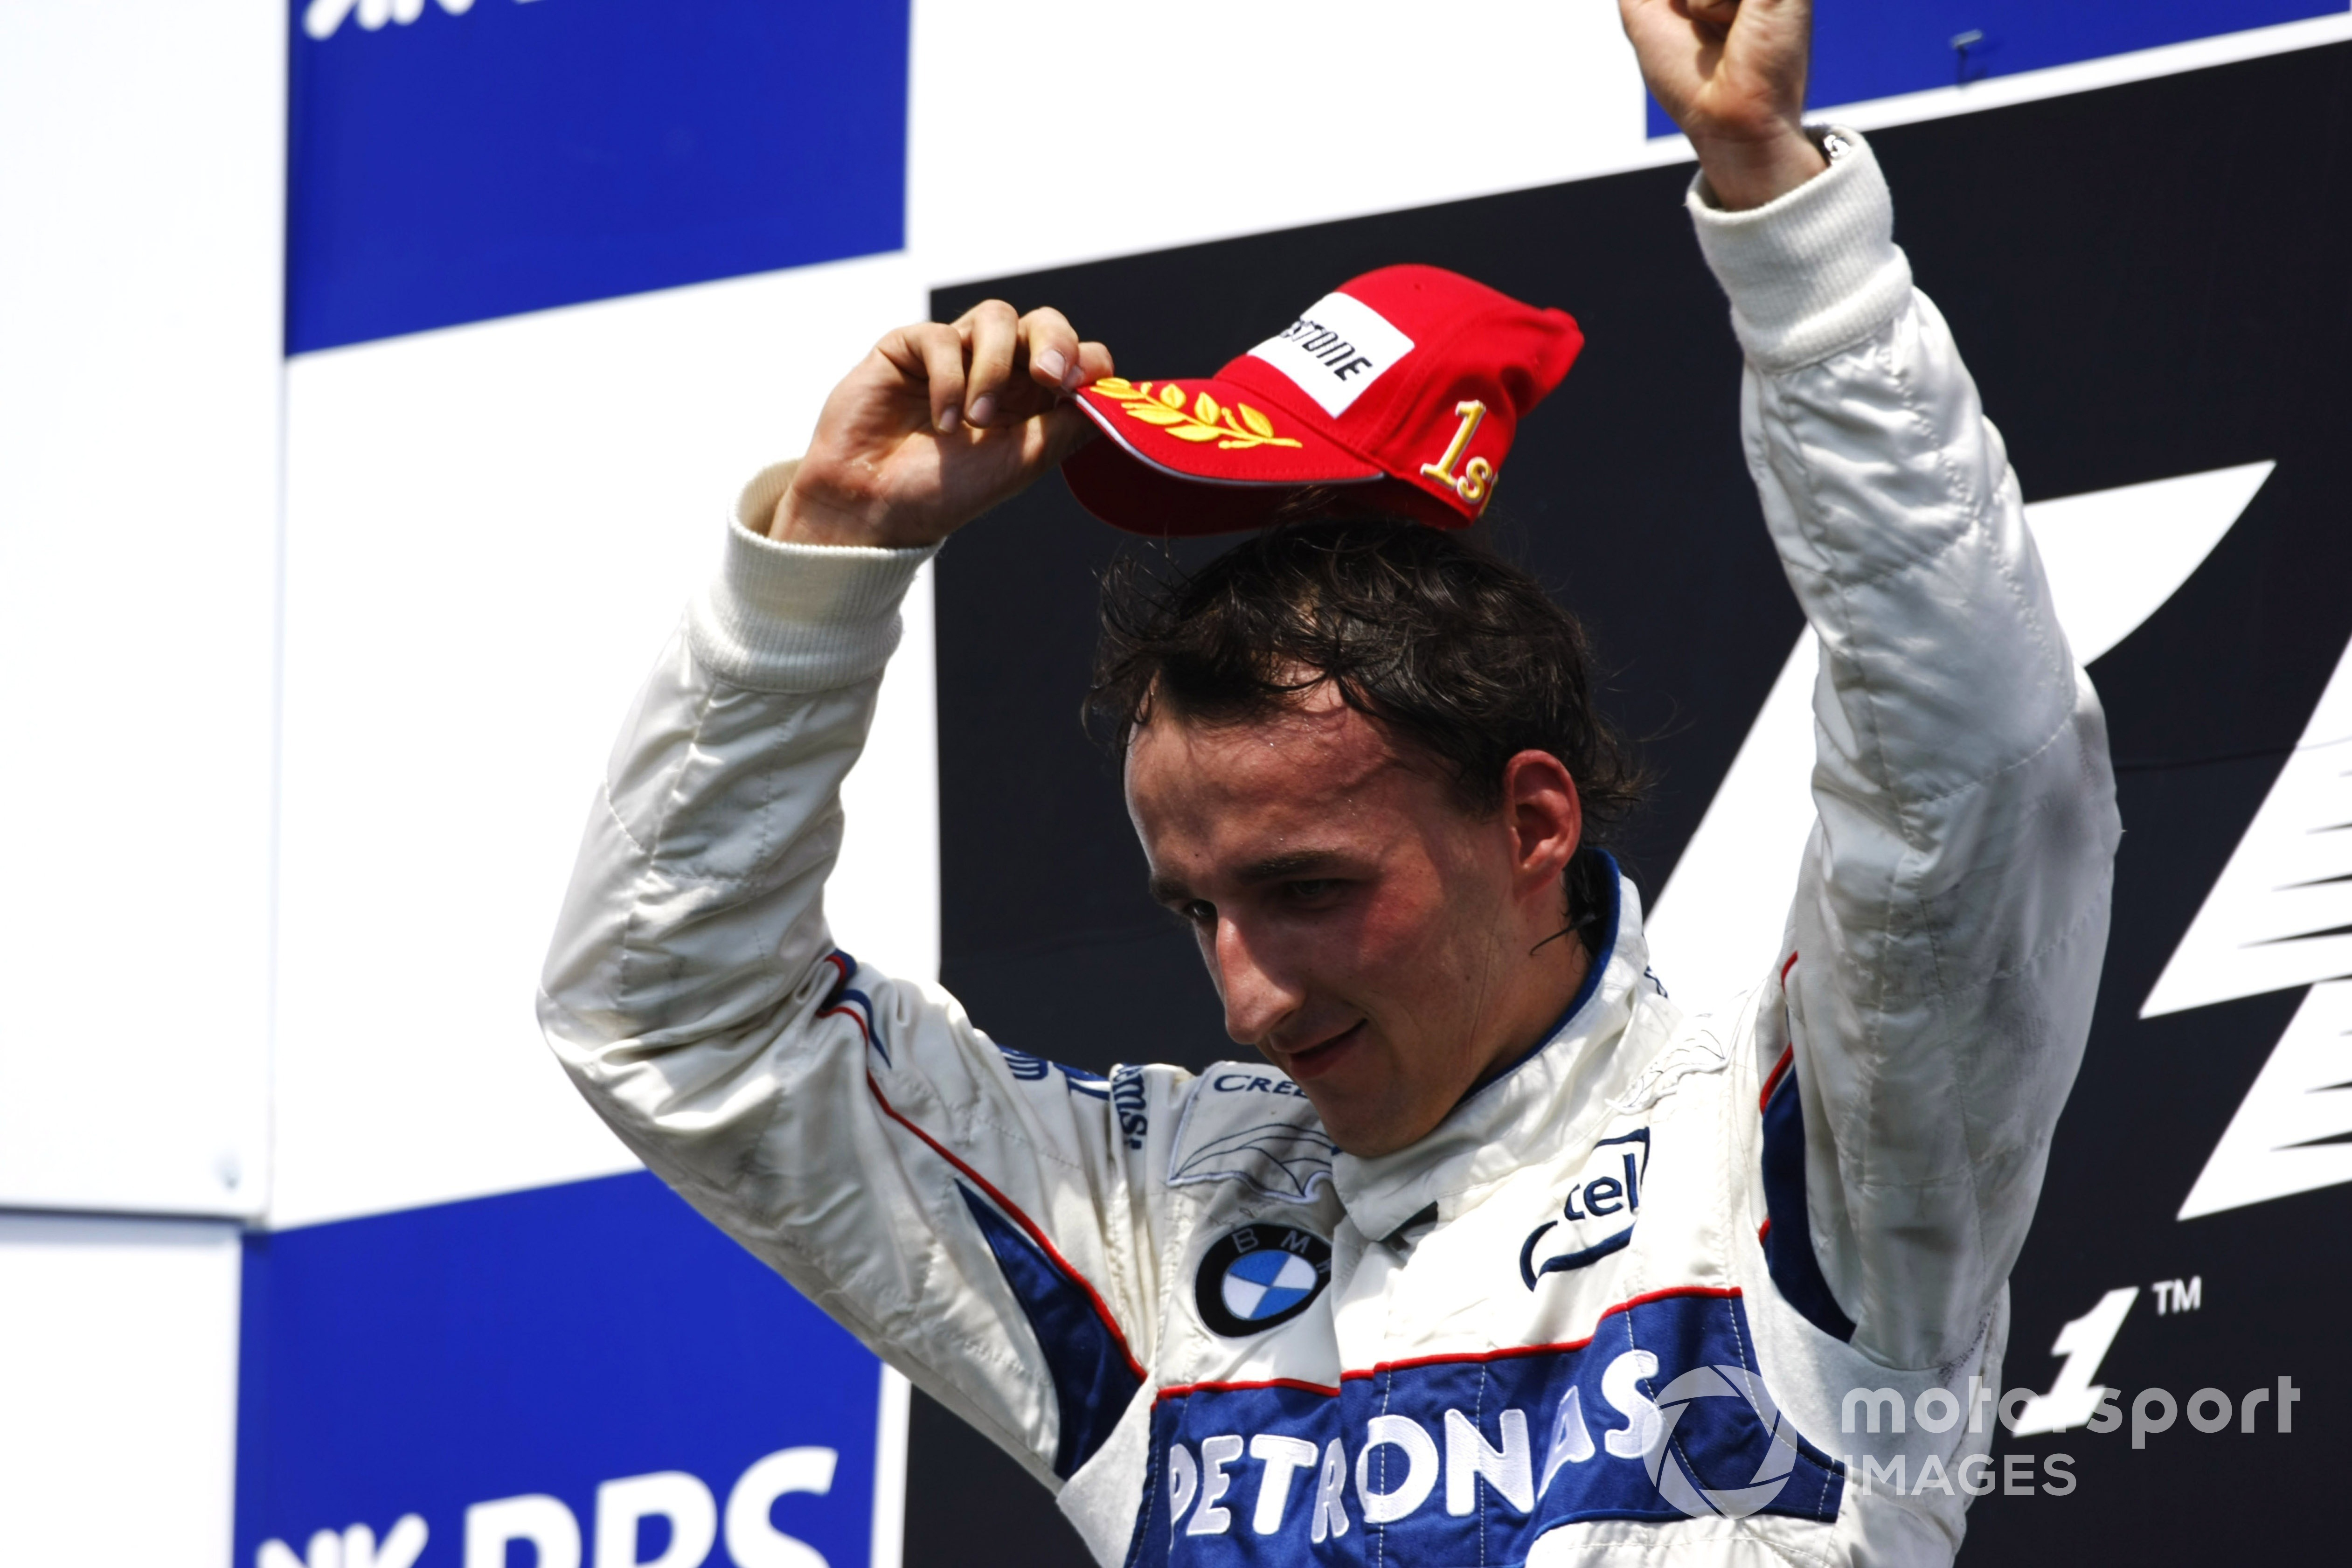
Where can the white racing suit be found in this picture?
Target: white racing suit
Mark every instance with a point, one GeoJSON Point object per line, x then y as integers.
{"type": "Point", "coordinates": [1650, 1295]}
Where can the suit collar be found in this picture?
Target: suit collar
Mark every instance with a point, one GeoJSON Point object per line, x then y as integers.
{"type": "Point", "coordinates": [1538, 1105]}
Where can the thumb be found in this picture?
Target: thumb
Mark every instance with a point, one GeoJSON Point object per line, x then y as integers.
{"type": "Point", "coordinates": [1062, 430]}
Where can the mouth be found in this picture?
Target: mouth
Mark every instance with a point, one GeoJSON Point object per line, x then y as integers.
{"type": "Point", "coordinates": [1323, 1055]}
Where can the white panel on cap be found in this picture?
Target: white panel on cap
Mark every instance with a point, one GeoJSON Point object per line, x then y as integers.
{"type": "Point", "coordinates": [1337, 347]}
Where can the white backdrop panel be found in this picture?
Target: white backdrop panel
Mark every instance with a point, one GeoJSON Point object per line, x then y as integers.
{"type": "Point", "coordinates": [490, 531]}
{"type": "Point", "coordinates": [141, 162]}
{"type": "Point", "coordinates": [1045, 132]}
{"type": "Point", "coordinates": [118, 1381]}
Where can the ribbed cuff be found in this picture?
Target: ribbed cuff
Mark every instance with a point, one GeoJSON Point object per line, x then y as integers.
{"type": "Point", "coordinates": [797, 617]}
{"type": "Point", "coordinates": [1812, 271]}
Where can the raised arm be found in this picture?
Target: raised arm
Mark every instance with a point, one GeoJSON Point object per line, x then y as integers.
{"type": "Point", "coordinates": [980, 1217]}
{"type": "Point", "coordinates": [1952, 906]}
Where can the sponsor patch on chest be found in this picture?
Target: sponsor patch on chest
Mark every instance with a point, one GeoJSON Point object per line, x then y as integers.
{"type": "Point", "coordinates": [1598, 1216]}
{"type": "Point", "coordinates": [1260, 1277]}
{"type": "Point", "coordinates": [1251, 1125]}
{"type": "Point", "coordinates": [1660, 1415]}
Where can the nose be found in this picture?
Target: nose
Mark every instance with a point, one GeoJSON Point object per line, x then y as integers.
{"type": "Point", "coordinates": [1257, 999]}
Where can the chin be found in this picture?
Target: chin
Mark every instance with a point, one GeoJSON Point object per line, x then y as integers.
{"type": "Point", "coordinates": [1367, 1137]}
{"type": "Point", "coordinates": [1361, 1105]}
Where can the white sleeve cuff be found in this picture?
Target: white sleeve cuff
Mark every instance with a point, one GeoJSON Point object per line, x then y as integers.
{"type": "Point", "coordinates": [1813, 270]}
{"type": "Point", "coordinates": [797, 617]}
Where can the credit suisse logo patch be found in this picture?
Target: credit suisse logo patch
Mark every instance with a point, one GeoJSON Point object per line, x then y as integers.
{"type": "Point", "coordinates": [1260, 1277]}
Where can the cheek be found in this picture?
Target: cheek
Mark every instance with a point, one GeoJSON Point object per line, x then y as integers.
{"type": "Point", "coordinates": [1420, 958]}
{"type": "Point", "coordinates": [1407, 935]}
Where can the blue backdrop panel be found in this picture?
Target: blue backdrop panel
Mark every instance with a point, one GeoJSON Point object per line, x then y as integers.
{"type": "Point", "coordinates": [518, 155]}
{"type": "Point", "coordinates": [1879, 47]}
{"type": "Point", "coordinates": [541, 1343]}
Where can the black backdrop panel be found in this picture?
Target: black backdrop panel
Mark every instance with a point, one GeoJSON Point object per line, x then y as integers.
{"type": "Point", "coordinates": [2148, 280]}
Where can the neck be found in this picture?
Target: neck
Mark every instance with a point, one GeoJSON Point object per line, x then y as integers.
{"type": "Point", "coordinates": [1547, 1002]}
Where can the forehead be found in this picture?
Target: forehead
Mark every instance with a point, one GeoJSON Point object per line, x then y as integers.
{"type": "Point", "coordinates": [1313, 776]}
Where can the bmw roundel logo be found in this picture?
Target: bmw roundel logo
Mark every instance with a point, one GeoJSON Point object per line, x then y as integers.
{"type": "Point", "coordinates": [1260, 1275]}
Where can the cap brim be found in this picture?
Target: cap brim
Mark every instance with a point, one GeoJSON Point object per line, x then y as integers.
{"type": "Point", "coordinates": [1211, 431]}
{"type": "Point", "coordinates": [1198, 456]}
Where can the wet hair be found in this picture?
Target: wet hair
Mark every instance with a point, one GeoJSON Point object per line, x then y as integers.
{"type": "Point", "coordinates": [1458, 654]}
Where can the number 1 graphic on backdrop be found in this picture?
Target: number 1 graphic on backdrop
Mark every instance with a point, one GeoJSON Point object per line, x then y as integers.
{"type": "Point", "coordinates": [2073, 1399]}
{"type": "Point", "coordinates": [1478, 481]}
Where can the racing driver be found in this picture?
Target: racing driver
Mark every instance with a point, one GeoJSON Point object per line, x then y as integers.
{"type": "Point", "coordinates": [1494, 1256]}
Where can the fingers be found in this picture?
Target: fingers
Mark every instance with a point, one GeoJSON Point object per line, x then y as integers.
{"type": "Point", "coordinates": [993, 334]}
{"type": "Point", "coordinates": [1057, 433]}
{"type": "Point", "coordinates": [930, 352]}
{"type": "Point", "coordinates": [1043, 345]}
{"type": "Point", "coordinates": [1057, 358]}
{"type": "Point", "coordinates": [992, 368]}
{"type": "Point", "coordinates": [1054, 349]}
{"type": "Point", "coordinates": [1093, 364]}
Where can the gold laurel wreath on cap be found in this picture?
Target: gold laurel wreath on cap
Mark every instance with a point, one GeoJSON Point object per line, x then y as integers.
{"type": "Point", "coordinates": [1234, 428]}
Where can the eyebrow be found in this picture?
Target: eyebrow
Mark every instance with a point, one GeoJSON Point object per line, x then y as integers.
{"type": "Point", "coordinates": [1281, 867]}
{"type": "Point", "coordinates": [1273, 868]}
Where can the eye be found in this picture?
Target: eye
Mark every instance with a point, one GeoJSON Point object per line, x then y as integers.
{"type": "Point", "coordinates": [1197, 911]}
{"type": "Point", "coordinates": [1311, 889]}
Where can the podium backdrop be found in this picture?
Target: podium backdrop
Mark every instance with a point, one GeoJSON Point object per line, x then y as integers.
{"type": "Point", "coordinates": [377, 375]}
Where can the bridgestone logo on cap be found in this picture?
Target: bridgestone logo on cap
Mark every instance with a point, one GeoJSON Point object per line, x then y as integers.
{"type": "Point", "coordinates": [1336, 348]}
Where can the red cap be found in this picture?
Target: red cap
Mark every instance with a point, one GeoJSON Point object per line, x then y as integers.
{"type": "Point", "coordinates": [1410, 381]}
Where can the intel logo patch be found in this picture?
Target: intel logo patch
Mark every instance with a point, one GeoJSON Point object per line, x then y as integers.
{"type": "Point", "coordinates": [1260, 1275]}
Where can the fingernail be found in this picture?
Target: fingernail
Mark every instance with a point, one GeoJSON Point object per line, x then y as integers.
{"type": "Point", "coordinates": [1052, 362]}
{"type": "Point", "coordinates": [982, 409]}
{"type": "Point", "coordinates": [1072, 376]}
{"type": "Point", "coordinates": [949, 420]}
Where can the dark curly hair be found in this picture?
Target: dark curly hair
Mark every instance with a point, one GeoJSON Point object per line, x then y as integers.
{"type": "Point", "coordinates": [1456, 651]}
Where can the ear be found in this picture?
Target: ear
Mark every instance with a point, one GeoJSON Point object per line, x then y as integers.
{"type": "Point", "coordinates": [1545, 816]}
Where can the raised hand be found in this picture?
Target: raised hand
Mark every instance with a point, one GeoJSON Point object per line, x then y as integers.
{"type": "Point", "coordinates": [1732, 74]}
{"type": "Point", "coordinates": [938, 424]}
